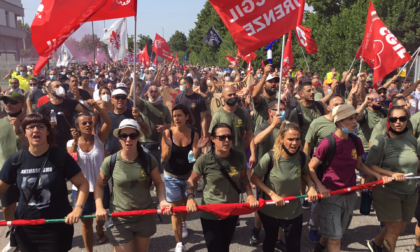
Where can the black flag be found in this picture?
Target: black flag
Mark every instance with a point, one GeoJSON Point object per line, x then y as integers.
{"type": "Point", "coordinates": [212, 38]}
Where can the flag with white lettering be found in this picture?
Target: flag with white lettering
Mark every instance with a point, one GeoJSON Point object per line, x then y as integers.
{"type": "Point", "coordinates": [305, 39]}
{"type": "Point", "coordinates": [254, 24]}
{"type": "Point", "coordinates": [212, 38]}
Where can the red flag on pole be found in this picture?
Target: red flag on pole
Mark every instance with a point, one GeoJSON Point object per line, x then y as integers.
{"type": "Point", "coordinates": [262, 61]}
{"type": "Point", "coordinates": [96, 62]}
{"type": "Point", "coordinates": [288, 56]}
{"type": "Point", "coordinates": [305, 39]}
{"type": "Point", "coordinates": [144, 57]}
{"type": "Point", "coordinates": [161, 48]}
{"type": "Point", "coordinates": [249, 68]}
{"type": "Point", "coordinates": [49, 29]}
{"type": "Point", "coordinates": [231, 59]}
{"type": "Point", "coordinates": [115, 9]}
{"type": "Point", "coordinates": [155, 61]}
{"type": "Point", "coordinates": [90, 63]}
{"type": "Point", "coordinates": [176, 60]}
{"type": "Point", "coordinates": [247, 58]}
{"type": "Point", "coordinates": [254, 24]}
{"type": "Point", "coordinates": [381, 47]}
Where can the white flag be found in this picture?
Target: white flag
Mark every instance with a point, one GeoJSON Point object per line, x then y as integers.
{"type": "Point", "coordinates": [116, 38]}
{"type": "Point", "coordinates": [65, 56]}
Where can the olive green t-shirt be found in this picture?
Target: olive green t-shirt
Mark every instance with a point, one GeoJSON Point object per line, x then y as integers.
{"type": "Point", "coordinates": [268, 143]}
{"type": "Point", "coordinates": [130, 180]}
{"type": "Point", "coordinates": [240, 121]}
{"type": "Point", "coordinates": [400, 156]}
{"type": "Point", "coordinates": [380, 130]}
{"type": "Point", "coordinates": [309, 114]}
{"type": "Point", "coordinates": [415, 121]}
{"type": "Point", "coordinates": [153, 115]}
{"type": "Point", "coordinates": [319, 94]}
{"type": "Point", "coordinates": [365, 128]}
{"type": "Point", "coordinates": [319, 129]}
{"type": "Point", "coordinates": [9, 141]}
{"type": "Point", "coordinates": [284, 180]}
{"type": "Point", "coordinates": [217, 189]}
{"type": "Point", "coordinates": [261, 110]}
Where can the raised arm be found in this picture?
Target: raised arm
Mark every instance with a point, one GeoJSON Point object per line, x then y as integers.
{"type": "Point", "coordinates": [256, 94]}
{"type": "Point", "coordinates": [410, 89]}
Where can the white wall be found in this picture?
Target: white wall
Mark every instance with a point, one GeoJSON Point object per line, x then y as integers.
{"type": "Point", "coordinates": [12, 20]}
{"type": "Point", "coordinates": [3, 17]}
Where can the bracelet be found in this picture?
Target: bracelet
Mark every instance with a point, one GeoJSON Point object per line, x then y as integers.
{"type": "Point", "coordinates": [191, 193]}
{"type": "Point", "coordinates": [74, 145]}
{"type": "Point", "coordinates": [78, 205]}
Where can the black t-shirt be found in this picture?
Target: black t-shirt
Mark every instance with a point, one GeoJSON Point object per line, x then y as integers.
{"type": "Point", "coordinates": [84, 95]}
{"type": "Point", "coordinates": [50, 199]}
{"type": "Point", "coordinates": [34, 97]}
{"type": "Point", "coordinates": [62, 130]}
{"type": "Point", "coordinates": [196, 104]}
{"type": "Point", "coordinates": [112, 144]}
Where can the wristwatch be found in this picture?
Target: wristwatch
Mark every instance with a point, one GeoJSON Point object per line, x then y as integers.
{"type": "Point", "coordinates": [79, 205]}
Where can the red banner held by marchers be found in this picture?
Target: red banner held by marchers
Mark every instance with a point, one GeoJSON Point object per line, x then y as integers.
{"type": "Point", "coordinates": [305, 40]}
{"type": "Point", "coordinates": [254, 24]}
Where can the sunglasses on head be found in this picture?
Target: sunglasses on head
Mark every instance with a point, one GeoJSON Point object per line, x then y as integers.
{"type": "Point", "coordinates": [223, 138]}
{"type": "Point", "coordinates": [118, 97]}
{"type": "Point", "coordinates": [13, 102]}
{"type": "Point", "coordinates": [84, 123]}
{"type": "Point", "coordinates": [132, 136]}
{"type": "Point", "coordinates": [395, 119]}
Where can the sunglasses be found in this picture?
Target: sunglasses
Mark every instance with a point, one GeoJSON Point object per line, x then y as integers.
{"type": "Point", "coordinates": [38, 126]}
{"type": "Point", "coordinates": [132, 136]}
{"type": "Point", "coordinates": [378, 99]}
{"type": "Point", "coordinates": [395, 119]}
{"type": "Point", "coordinates": [13, 102]}
{"type": "Point", "coordinates": [86, 122]}
{"type": "Point", "coordinates": [381, 92]}
{"type": "Point", "coordinates": [223, 138]}
{"type": "Point", "coordinates": [120, 97]}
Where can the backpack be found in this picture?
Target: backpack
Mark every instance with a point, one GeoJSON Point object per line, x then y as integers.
{"type": "Point", "coordinates": [302, 159]}
{"type": "Point", "coordinates": [365, 118]}
{"type": "Point", "coordinates": [322, 167]}
{"type": "Point", "coordinates": [318, 105]}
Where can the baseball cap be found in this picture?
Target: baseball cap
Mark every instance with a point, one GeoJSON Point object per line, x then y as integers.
{"type": "Point", "coordinates": [14, 95]}
{"type": "Point", "coordinates": [327, 81]}
{"type": "Point", "coordinates": [118, 92]}
{"type": "Point", "coordinates": [121, 85]}
{"type": "Point", "coordinates": [381, 87]}
{"type": "Point", "coordinates": [84, 78]}
{"type": "Point", "coordinates": [151, 69]}
{"type": "Point", "coordinates": [128, 123]}
{"type": "Point", "coordinates": [343, 111]}
{"type": "Point", "coordinates": [271, 77]}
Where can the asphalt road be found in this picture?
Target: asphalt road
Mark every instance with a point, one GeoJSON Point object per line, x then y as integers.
{"type": "Point", "coordinates": [361, 229]}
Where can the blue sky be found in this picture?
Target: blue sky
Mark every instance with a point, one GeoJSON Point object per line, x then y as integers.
{"type": "Point", "coordinates": [151, 17]}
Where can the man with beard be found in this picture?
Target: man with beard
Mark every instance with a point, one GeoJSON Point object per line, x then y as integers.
{"type": "Point", "coordinates": [12, 139]}
{"type": "Point", "coordinates": [75, 92]}
{"type": "Point", "coordinates": [59, 104]}
{"type": "Point", "coordinates": [33, 95]}
{"type": "Point", "coordinates": [268, 84]}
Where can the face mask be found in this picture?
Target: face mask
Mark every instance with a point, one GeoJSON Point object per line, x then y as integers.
{"type": "Point", "coordinates": [376, 107]}
{"type": "Point", "coordinates": [28, 73]}
{"type": "Point", "coordinates": [154, 101]}
{"type": "Point", "coordinates": [231, 101]}
{"type": "Point", "coordinates": [259, 75]}
{"type": "Point", "coordinates": [227, 79]}
{"type": "Point", "coordinates": [14, 89]}
{"type": "Point", "coordinates": [34, 88]}
{"type": "Point", "coordinates": [91, 80]}
{"type": "Point", "coordinates": [212, 68]}
{"type": "Point", "coordinates": [182, 88]}
{"type": "Point", "coordinates": [329, 90]}
{"type": "Point", "coordinates": [141, 70]}
{"type": "Point", "coordinates": [269, 91]}
{"type": "Point", "coordinates": [288, 152]}
{"type": "Point", "coordinates": [148, 82]}
{"type": "Point", "coordinates": [17, 69]}
{"type": "Point", "coordinates": [370, 75]}
{"type": "Point", "coordinates": [52, 77]}
{"type": "Point", "coordinates": [191, 158]}
{"type": "Point", "coordinates": [44, 91]}
{"type": "Point", "coordinates": [96, 76]}
{"type": "Point", "coordinates": [68, 76]}
{"type": "Point", "coordinates": [283, 115]}
{"type": "Point", "coordinates": [107, 76]}
{"type": "Point", "coordinates": [170, 78]}
{"type": "Point", "coordinates": [23, 73]}
{"type": "Point", "coordinates": [111, 74]}
{"type": "Point", "coordinates": [60, 92]}
{"type": "Point", "coordinates": [106, 97]}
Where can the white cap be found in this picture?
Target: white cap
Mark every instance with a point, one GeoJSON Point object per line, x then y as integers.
{"type": "Point", "coordinates": [151, 69]}
{"type": "Point", "coordinates": [29, 67]}
{"type": "Point", "coordinates": [121, 85]}
{"type": "Point", "coordinates": [128, 123]}
{"type": "Point", "coordinates": [270, 77]}
{"type": "Point", "coordinates": [119, 92]}
{"type": "Point", "coordinates": [190, 75]}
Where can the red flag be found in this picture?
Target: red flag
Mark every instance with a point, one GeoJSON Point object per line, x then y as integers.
{"type": "Point", "coordinates": [231, 59]}
{"type": "Point", "coordinates": [176, 60]}
{"type": "Point", "coordinates": [247, 58]}
{"type": "Point", "coordinates": [249, 68]}
{"type": "Point", "coordinates": [115, 9]}
{"type": "Point", "coordinates": [263, 66]}
{"type": "Point", "coordinates": [161, 48]}
{"type": "Point", "coordinates": [49, 29]}
{"type": "Point", "coordinates": [155, 61]}
{"type": "Point", "coordinates": [90, 63]}
{"type": "Point", "coordinates": [144, 56]}
{"type": "Point", "coordinates": [288, 56]}
{"type": "Point", "coordinates": [96, 62]}
{"type": "Point", "coordinates": [254, 24]}
{"type": "Point", "coordinates": [305, 39]}
{"type": "Point", "coordinates": [381, 47]}
{"type": "Point", "coordinates": [185, 68]}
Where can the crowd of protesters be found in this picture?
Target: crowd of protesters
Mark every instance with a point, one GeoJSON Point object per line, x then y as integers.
{"type": "Point", "coordinates": [123, 149]}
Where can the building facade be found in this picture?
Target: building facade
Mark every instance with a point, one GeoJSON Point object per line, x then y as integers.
{"type": "Point", "coordinates": [10, 35]}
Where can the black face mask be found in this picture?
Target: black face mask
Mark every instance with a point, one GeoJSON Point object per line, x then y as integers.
{"type": "Point", "coordinates": [15, 114]}
{"type": "Point", "coordinates": [269, 91]}
{"type": "Point", "coordinates": [398, 132]}
{"type": "Point", "coordinates": [288, 152]}
{"type": "Point", "coordinates": [376, 107]}
{"type": "Point", "coordinates": [231, 101]}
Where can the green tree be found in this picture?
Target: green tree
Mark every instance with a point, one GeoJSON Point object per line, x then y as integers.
{"type": "Point", "coordinates": [178, 42]}
{"type": "Point", "coordinates": [130, 40]}
{"type": "Point", "coordinates": [88, 44]}
{"type": "Point", "coordinates": [142, 40]}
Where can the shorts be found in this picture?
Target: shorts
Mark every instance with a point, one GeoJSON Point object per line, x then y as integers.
{"type": "Point", "coordinates": [392, 207]}
{"type": "Point", "coordinates": [176, 189]}
{"type": "Point", "coordinates": [10, 196]}
{"type": "Point", "coordinates": [90, 206]}
{"type": "Point", "coordinates": [123, 232]}
{"type": "Point", "coordinates": [335, 214]}
{"type": "Point", "coordinates": [153, 148]}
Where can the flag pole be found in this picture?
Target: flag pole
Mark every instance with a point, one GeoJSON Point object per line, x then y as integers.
{"type": "Point", "coordinates": [94, 46]}
{"type": "Point", "coordinates": [281, 72]}
{"type": "Point", "coordinates": [360, 69]}
{"type": "Point", "coordinates": [305, 58]}
{"type": "Point", "coordinates": [412, 64]}
{"type": "Point", "coordinates": [352, 64]}
{"type": "Point", "coordinates": [135, 60]}
{"type": "Point", "coordinates": [402, 68]}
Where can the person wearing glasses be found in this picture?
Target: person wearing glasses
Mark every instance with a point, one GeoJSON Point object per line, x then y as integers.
{"type": "Point", "coordinates": [180, 147]}
{"type": "Point", "coordinates": [90, 149]}
{"type": "Point", "coordinates": [14, 86]}
{"type": "Point", "coordinates": [133, 173]}
{"type": "Point", "coordinates": [32, 96]}
{"type": "Point", "coordinates": [119, 113]}
{"type": "Point", "coordinates": [43, 192]}
{"type": "Point", "coordinates": [224, 171]}
{"type": "Point", "coordinates": [394, 155]}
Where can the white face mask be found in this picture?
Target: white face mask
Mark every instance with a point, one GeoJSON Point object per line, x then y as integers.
{"type": "Point", "coordinates": [34, 88]}
{"type": "Point", "coordinates": [28, 73]}
{"type": "Point", "coordinates": [106, 97]}
{"type": "Point", "coordinates": [60, 92]}
{"type": "Point", "coordinates": [227, 78]}
{"type": "Point", "coordinates": [107, 76]}
{"type": "Point", "coordinates": [68, 76]}
{"type": "Point", "coordinates": [154, 101]}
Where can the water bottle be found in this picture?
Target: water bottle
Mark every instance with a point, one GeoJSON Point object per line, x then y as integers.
{"type": "Point", "coordinates": [366, 202]}
{"type": "Point", "coordinates": [53, 116]}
